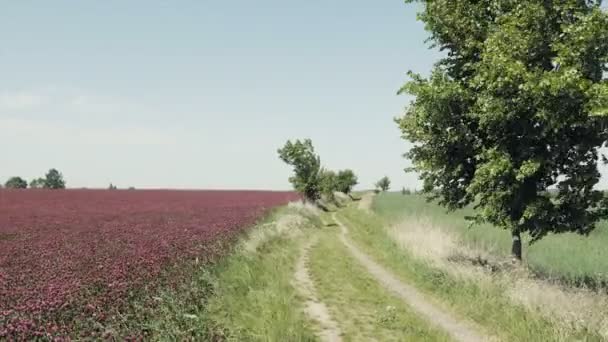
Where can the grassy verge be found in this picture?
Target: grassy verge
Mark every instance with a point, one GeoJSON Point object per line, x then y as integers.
{"type": "Point", "coordinates": [245, 296]}
{"type": "Point", "coordinates": [363, 309]}
{"type": "Point", "coordinates": [571, 258]}
{"type": "Point", "coordinates": [483, 302]}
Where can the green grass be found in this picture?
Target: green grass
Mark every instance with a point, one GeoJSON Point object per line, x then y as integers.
{"type": "Point", "coordinates": [482, 302]}
{"type": "Point", "coordinates": [362, 308]}
{"type": "Point", "coordinates": [245, 296]}
{"type": "Point", "coordinates": [575, 259]}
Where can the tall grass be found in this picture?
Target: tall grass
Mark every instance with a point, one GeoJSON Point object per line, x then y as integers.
{"type": "Point", "coordinates": [571, 258]}
{"type": "Point", "coordinates": [487, 303]}
{"type": "Point", "coordinates": [365, 310]}
{"type": "Point", "coordinates": [245, 296]}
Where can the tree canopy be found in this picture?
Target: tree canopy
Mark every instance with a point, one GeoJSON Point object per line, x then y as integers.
{"type": "Point", "coordinates": [329, 184]}
{"type": "Point", "coordinates": [37, 183]}
{"type": "Point", "coordinates": [306, 166]}
{"type": "Point", "coordinates": [15, 183]}
{"type": "Point", "coordinates": [512, 110]}
{"type": "Point", "coordinates": [346, 180]}
{"type": "Point", "coordinates": [383, 184]}
{"type": "Point", "coordinates": [54, 180]}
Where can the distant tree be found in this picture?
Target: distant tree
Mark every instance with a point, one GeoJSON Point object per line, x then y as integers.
{"type": "Point", "coordinates": [346, 181]}
{"type": "Point", "coordinates": [405, 191]}
{"type": "Point", "coordinates": [37, 183]}
{"type": "Point", "coordinates": [383, 184]}
{"type": "Point", "coordinates": [513, 107]}
{"type": "Point", "coordinates": [16, 183]}
{"type": "Point", "coordinates": [54, 180]}
{"type": "Point", "coordinates": [306, 166]}
{"type": "Point", "coordinates": [112, 187]}
{"type": "Point", "coordinates": [131, 188]}
{"type": "Point", "coordinates": [329, 184]}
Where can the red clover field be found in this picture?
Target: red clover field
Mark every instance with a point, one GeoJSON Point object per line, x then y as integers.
{"type": "Point", "coordinates": [74, 256]}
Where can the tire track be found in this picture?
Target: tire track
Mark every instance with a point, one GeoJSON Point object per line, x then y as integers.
{"type": "Point", "coordinates": [329, 331]}
{"type": "Point", "coordinates": [457, 329]}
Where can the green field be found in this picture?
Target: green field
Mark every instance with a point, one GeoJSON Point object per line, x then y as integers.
{"type": "Point", "coordinates": [575, 259]}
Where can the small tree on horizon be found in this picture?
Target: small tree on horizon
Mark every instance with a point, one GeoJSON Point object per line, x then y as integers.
{"type": "Point", "coordinates": [37, 183]}
{"type": "Point", "coordinates": [306, 167]}
{"type": "Point", "coordinates": [54, 180]}
{"type": "Point", "coordinates": [346, 180]}
{"type": "Point", "coordinates": [329, 184]}
{"type": "Point", "coordinates": [383, 184]}
{"type": "Point", "coordinates": [15, 183]}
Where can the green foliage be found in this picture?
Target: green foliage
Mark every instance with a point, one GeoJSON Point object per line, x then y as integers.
{"type": "Point", "coordinates": [54, 180]}
{"type": "Point", "coordinates": [512, 110]}
{"type": "Point", "coordinates": [346, 181]}
{"type": "Point", "coordinates": [37, 183]}
{"type": "Point", "coordinates": [383, 184]}
{"type": "Point", "coordinates": [405, 191]}
{"type": "Point", "coordinates": [306, 166]}
{"type": "Point", "coordinates": [329, 183]}
{"type": "Point", "coordinates": [15, 183]}
{"type": "Point", "coordinates": [112, 187]}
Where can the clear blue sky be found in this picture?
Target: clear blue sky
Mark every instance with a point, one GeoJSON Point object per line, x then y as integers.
{"type": "Point", "coordinates": [200, 94]}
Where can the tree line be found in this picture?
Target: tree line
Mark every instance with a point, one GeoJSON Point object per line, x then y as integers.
{"type": "Point", "coordinates": [311, 179]}
{"type": "Point", "coordinates": [53, 179]}
{"type": "Point", "coordinates": [314, 181]}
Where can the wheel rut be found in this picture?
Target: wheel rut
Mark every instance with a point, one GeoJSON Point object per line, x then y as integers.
{"type": "Point", "coordinates": [316, 310]}
{"type": "Point", "coordinates": [457, 329]}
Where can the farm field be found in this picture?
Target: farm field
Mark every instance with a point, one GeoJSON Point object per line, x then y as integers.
{"type": "Point", "coordinates": [180, 265]}
{"type": "Point", "coordinates": [570, 258]}
{"type": "Point", "coordinates": [74, 261]}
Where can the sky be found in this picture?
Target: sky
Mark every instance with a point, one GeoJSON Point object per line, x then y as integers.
{"type": "Point", "coordinates": [200, 94]}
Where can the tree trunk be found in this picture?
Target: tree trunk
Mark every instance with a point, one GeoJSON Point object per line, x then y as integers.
{"type": "Point", "coordinates": [516, 246]}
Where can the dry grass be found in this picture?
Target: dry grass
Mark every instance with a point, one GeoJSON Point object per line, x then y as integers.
{"type": "Point", "coordinates": [366, 201]}
{"type": "Point", "coordinates": [567, 307]}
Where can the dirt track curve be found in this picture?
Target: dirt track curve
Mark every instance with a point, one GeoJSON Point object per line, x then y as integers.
{"type": "Point", "coordinates": [457, 329]}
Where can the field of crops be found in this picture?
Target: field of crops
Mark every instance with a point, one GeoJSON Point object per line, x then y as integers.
{"type": "Point", "coordinates": [574, 259]}
{"type": "Point", "coordinates": [74, 258]}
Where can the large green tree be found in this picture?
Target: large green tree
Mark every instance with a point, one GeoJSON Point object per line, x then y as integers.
{"type": "Point", "coordinates": [306, 167]}
{"type": "Point", "coordinates": [512, 110]}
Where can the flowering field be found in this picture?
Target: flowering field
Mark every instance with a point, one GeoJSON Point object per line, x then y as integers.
{"type": "Point", "coordinates": [71, 259]}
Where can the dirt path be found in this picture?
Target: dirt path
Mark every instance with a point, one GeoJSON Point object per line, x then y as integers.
{"type": "Point", "coordinates": [366, 201]}
{"type": "Point", "coordinates": [315, 309]}
{"type": "Point", "coordinates": [456, 329]}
